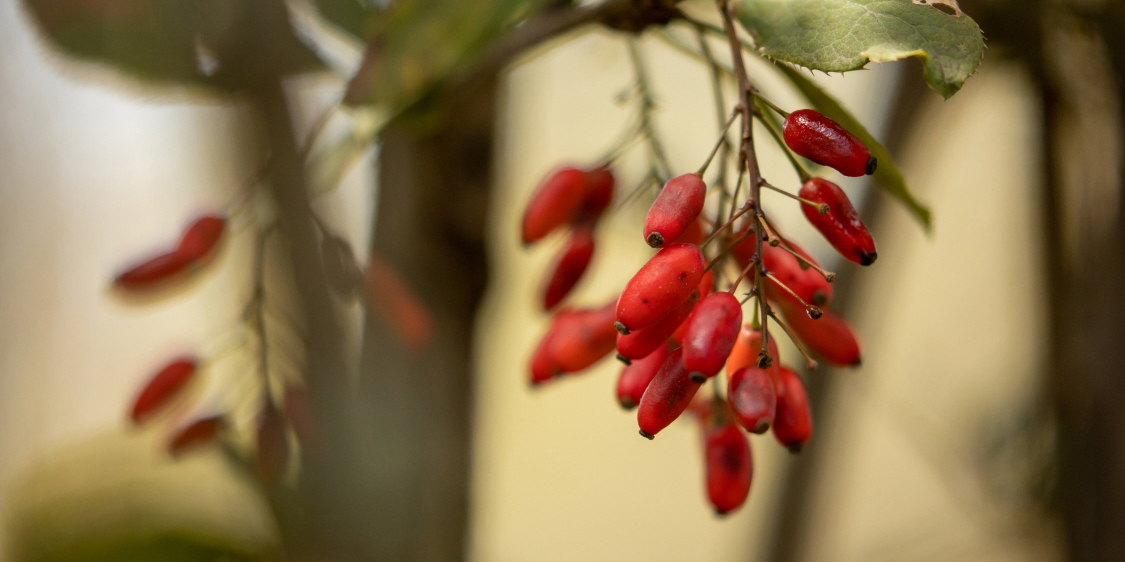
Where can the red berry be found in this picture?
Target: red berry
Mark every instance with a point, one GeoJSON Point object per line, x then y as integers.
{"type": "Point", "coordinates": [152, 273]}
{"type": "Point", "coordinates": [748, 348]}
{"type": "Point", "coordinates": [710, 334]}
{"type": "Point", "coordinates": [793, 422]}
{"type": "Point", "coordinates": [665, 281]}
{"type": "Point", "coordinates": [554, 204]}
{"type": "Point", "coordinates": [751, 394]}
{"type": "Point", "coordinates": [599, 194]}
{"type": "Point", "coordinates": [675, 209]}
{"type": "Point", "coordinates": [201, 237]}
{"type": "Point", "coordinates": [640, 343]}
{"type": "Point", "coordinates": [807, 282]}
{"type": "Point", "coordinates": [543, 365]}
{"type": "Point", "coordinates": [729, 467]}
{"type": "Point", "coordinates": [707, 284]}
{"type": "Point", "coordinates": [569, 266]}
{"type": "Point", "coordinates": [162, 387]}
{"type": "Point", "coordinates": [829, 337]}
{"type": "Point", "coordinates": [636, 377]}
{"type": "Point", "coordinates": [198, 432]}
{"type": "Point", "coordinates": [842, 226]}
{"type": "Point", "coordinates": [667, 396]}
{"type": "Point", "coordinates": [583, 338]}
{"type": "Point", "coordinates": [823, 141]}
{"type": "Point", "coordinates": [273, 445]}
{"type": "Point", "coordinates": [693, 234]}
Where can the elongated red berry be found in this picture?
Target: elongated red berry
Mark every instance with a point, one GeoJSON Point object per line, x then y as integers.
{"type": "Point", "coordinates": [273, 445]}
{"type": "Point", "coordinates": [823, 141]}
{"type": "Point", "coordinates": [599, 194]}
{"type": "Point", "coordinates": [729, 467]}
{"type": "Point", "coordinates": [163, 387]}
{"type": "Point", "coordinates": [636, 376]}
{"type": "Point", "coordinates": [554, 203]}
{"type": "Point", "coordinates": [676, 208]}
{"type": "Point", "coordinates": [640, 343]}
{"type": "Point", "coordinates": [152, 273]}
{"type": "Point", "coordinates": [807, 282]}
{"type": "Point", "coordinates": [752, 398]}
{"type": "Point", "coordinates": [196, 433]}
{"type": "Point", "coordinates": [793, 422]}
{"type": "Point", "coordinates": [748, 348]}
{"type": "Point", "coordinates": [707, 284]}
{"type": "Point", "coordinates": [665, 281]}
{"type": "Point", "coordinates": [710, 334]}
{"type": "Point", "coordinates": [569, 267]}
{"type": "Point", "coordinates": [693, 234]}
{"type": "Point", "coordinates": [842, 226]}
{"type": "Point", "coordinates": [667, 396]}
{"type": "Point", "coordinates": [829, 337]}
{"type": "Point", "coordinates": [201, 237]}
{"type": "Point", "coordinates": [543, 366]}
{"type": "Point", "coordinates": [584, 338]}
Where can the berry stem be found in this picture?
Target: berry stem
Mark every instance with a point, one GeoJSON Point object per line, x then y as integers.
{"type": "Point", "coordinates": [647, 106]}
{"type": "Point", "coordinates": [812, 311]}
{"type": "Point", "coordinates": [810, 363]}
{"type": "Point", "coordinates": [720, 106]}
{"type": "Point", "coordinates": [771, 104]}
{"type": "Point", "coordinates": [828, 275]}
{"type": "Point", "coordinates": [745, 208]}
{"type": "Point", "coordinates": [727, 250]}
{"type": "Point", "coordinates": [771, 236]}
{"type": "Point", "coordinates": [722, 140]}
{"type": "Point", "coordinates": [821, 208]}
{"type": "Point", "coordinates": [742, 276]}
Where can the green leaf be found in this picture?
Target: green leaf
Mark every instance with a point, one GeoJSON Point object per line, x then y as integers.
{"type": "Point", "coordinates": [423, 41]}
{"type": "Point", "coordinates": [841, 35]}
{"type": "Point", "coordinates": [194, 42]}
{"type": "Point", "coordinates": [887, 175]}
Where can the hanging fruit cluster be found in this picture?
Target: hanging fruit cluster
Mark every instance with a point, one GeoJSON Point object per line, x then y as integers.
{"type": "Point", "coordinates": [679, 322]}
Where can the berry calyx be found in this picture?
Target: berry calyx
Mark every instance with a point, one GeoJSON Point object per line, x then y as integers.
{"type": "Point", "coordinates": [665, 281]}
{"type": "Point", "coordinates": [841, 226]}
{"type": "Point", "coordinates": [820, 139]}
{"type": "Point", "coordinates": [674, 210]}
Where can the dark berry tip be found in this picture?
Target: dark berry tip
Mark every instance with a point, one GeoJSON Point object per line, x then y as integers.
{"type": "Point", "coordinates": [814, 312]}
{"type": "Point", "coordinates": [867, 258]}
{"type": "Point", "coordinates": [655, 240]}
{"type": "Point", "coordinates": [624, 359]}
{"type": "Point", "coordinates": [721, 512]}
{"type": "Point", "coordinates": [621, 328]}
{"type": "Point", "coordinates": [872, 163]}
{"type": "Point", "coordinates": [795, 448]}
{"type": "Point", "coordinates": [648, 436]}
{"type": "Point", "coordinates": [627, 403]}
{"type": "Point", "coordinates": [696, 376]}
{"type": "Point", "coordinates": [761, 427]}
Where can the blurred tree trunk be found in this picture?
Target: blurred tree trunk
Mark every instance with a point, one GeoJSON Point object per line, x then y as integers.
{"type": "Point", "coordinates": [430, 225]}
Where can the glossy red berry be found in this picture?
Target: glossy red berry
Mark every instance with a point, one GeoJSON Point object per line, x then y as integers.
{"type": "Point", "coordinates": [667, 396]}
{"type": "Point", "coordinates": [162, 387]}
{"type": "Point", "coordinates": [807, 282]}
{"type": "Point", "coordinates": [639, 343]}
{"type": "Point", "coordinates": [636, 376]}
{"type": "Point", "coordinates": [793, 422]}
{"type": "Point", "coordinates": [729, 466]}
{"type": "Point", "coordinates": [748, 348]}
{"type": "Point", "coordinates": [201, 237]}
{"type": "Point", "coordinates": [599, 194]}
{"type": "Point", "coordinates": [823, 141]}
{"type": "Point", "coordinates": [674, 210]}
{"type": "Point", "coordinates": [752, 398]}
{"type": "Point", "coordinates": [569, 266]}
{"type": "Point", "coordinates": [543, 366]}
{"type": "Point", "coordinates": [710, 334]}
{"type": "Point", "coordinates": [152, 273]}
{"type": "Point", "coordinates": [828, 337]}
{"type": "Point", "coordinates": [555, 203]}
{"type": "Point", "coordinates": [198, 432]}
{"type": "Point", "coordinates": [584, 337]}
{"type": "Point", "coordinates": [665, 281]}
{"type": "Point", "coordinates": [842, 226]}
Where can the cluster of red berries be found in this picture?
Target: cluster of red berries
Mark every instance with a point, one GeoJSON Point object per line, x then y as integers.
{"type": "Point", "coordinates": [675, 329]}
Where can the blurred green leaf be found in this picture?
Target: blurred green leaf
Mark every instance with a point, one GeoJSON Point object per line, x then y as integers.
{"type": "Point", "coordinates": [200, 42]}
{"type": "Point", "coordinates": [887, 174]}
{"type": "Point", "coordinates": [424, 41]}
{"type": "Point", "coordinates": [357, 17]}
{"type": "Point", "coordinates": [841, 35]}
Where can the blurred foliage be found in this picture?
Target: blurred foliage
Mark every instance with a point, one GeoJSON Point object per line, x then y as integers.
{"type": "Point", "coordinates": [841, 35]}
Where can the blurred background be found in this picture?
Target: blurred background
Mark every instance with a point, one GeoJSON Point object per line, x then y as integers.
{"type": "Point", "coordinates": [983, 424]}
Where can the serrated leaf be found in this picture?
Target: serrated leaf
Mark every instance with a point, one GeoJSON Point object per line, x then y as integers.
{"type": "Point", "coordinates": [842, 35]}
{"type": "Point", "coordinates": [423, 41]}
{"type": "Point", "coordinates": [192, 42]}
{"type": "Point", "coordinates": [887, 174]}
